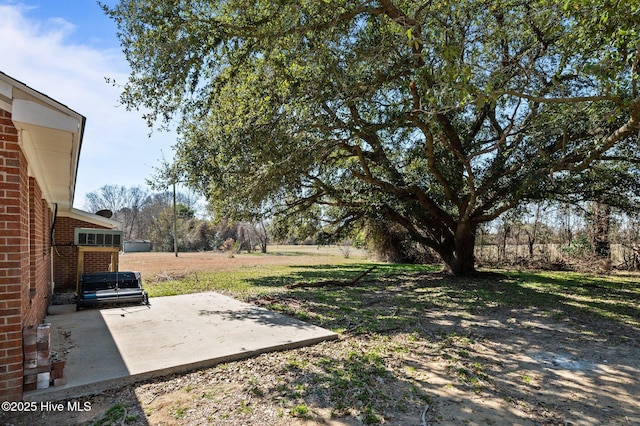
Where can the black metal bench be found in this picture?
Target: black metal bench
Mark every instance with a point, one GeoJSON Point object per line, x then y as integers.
{"type": "Point", "coordinates": [110, 287]}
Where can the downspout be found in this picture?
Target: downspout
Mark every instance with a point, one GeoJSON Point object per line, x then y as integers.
{"type": "Point", "coordinates": [52, 243]}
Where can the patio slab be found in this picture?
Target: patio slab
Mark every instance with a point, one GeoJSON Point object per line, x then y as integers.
{"type": "Point", "coordinates": [112, 347]}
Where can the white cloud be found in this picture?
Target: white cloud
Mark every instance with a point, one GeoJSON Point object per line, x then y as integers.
{"type": "Point", "coordinates": [43, 55]}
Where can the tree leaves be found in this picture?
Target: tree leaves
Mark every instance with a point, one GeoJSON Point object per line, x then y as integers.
{"type": "Point", "coordinates": [436, 115]}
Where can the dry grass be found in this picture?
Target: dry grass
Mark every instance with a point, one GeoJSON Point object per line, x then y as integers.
{"type": "Point", "coordinates": [152, 265]}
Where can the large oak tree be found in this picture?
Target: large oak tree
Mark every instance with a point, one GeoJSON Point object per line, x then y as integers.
{"type": "Point", "coordinates": [435, 115]}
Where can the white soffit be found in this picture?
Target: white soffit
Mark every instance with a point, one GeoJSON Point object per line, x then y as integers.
{"type": "Point", "coordinates": [50, 135]}
{"type": "Point", "coordinates": [48, 141]}
{"type": "Point", "coordinates": [29, 112]}
{"type": "Point", "coordinates": [50, 156]}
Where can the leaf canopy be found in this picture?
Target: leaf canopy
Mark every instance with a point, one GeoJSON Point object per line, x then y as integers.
{"type": "Point", "coordinates": [435, 115]}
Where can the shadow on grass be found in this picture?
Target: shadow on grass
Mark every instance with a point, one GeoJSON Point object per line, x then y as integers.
{"type": "Point", "coordinates": [392, 296]}
{"type": "Point", "coordinates": [548, 323]}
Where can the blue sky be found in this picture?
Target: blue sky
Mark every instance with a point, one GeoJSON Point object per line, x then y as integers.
{"type": "Point", "coordinates": [65, 49]}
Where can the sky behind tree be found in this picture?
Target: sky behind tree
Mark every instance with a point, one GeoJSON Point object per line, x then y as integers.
{"type": "Point", "coordinates": [66, 49]}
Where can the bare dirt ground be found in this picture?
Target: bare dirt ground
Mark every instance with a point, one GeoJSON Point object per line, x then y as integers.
{"type": "Point", "coordinates": [421, 366]}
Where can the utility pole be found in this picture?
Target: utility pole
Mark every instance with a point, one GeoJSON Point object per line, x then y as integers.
{"type": "Point", "coordinates": [175, 221]}
{"type": "Point", "coordinates": [166, 175]}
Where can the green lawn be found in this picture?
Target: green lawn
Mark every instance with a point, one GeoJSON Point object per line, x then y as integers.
{"type": "Point", "coordinates": [408, 288]}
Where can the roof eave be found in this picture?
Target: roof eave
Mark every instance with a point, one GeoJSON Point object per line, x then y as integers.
{"type": "Point", "coordinates": [91, 218]}
{"type": "Point", "coordinates": [35, 112]}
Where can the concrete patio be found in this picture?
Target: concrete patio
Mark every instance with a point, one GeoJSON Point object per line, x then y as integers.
{"type": "Point", "coordinates": [112, 347]}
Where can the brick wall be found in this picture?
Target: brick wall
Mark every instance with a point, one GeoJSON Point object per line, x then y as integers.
{"type": "Point", "coordinates": [66, 254]}
{"type": "Point", "coordinates": [14, 257]}
{"type": "Point", "coordinates": [35, 307]}
{"type": "Point", "coordinates": [26, 256]}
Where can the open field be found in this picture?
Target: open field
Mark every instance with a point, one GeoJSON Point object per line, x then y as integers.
{"type": "Point", "coordinates": [164, 274]}
{"type": "Point", "coordinates": [416, 348]}
{"type": "Point", "coordinates": [154, 266]}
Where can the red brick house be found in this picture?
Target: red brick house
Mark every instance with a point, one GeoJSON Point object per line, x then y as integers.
{"type": "Point", "coordinates": [40, 141]}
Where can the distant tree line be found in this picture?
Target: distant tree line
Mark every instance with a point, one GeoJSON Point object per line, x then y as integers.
{"type": "Point", "coordinates": [148, 216]}
{"type": "Point", "coordinates": [541, 234]}
{"type": "Point", "coordinates": [560, 235]}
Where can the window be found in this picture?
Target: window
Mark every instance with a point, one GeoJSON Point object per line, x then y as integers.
{"type": "Point", "coordinates": [97, 237]}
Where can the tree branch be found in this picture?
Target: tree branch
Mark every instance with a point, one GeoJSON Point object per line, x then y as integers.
{"type": "Point", "coordinates": [560, 100]}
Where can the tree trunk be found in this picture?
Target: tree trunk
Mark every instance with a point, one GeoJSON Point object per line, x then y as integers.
{"type": "Point", "coordinates": [531, 241]}
{"type": "Point", "coordinates": [533, 235]}
{"type": "Point", "coordinates": [502, 248]}
{"type": "Point", "coordinates": [460, 259]}
{"type": "Point", "coordinates": [602, 223]}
